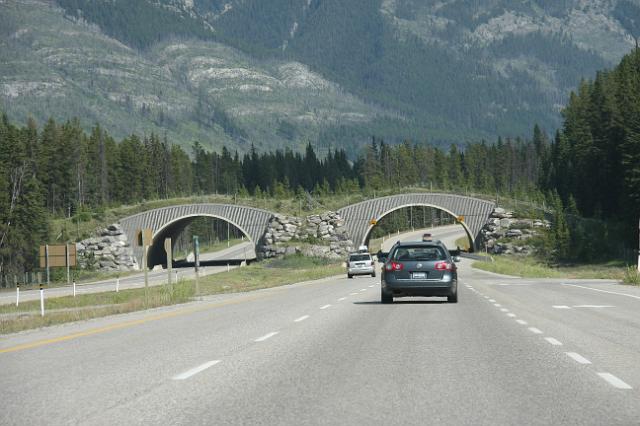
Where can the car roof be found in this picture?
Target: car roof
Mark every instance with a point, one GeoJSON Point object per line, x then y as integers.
{"type": "Point", "coordinates": [419, 243]}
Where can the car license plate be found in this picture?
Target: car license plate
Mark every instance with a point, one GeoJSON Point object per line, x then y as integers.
{"type": "Point", "coordinates": [419, 275]}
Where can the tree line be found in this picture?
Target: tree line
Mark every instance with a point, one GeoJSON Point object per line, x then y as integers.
{"type": "Point", "coordinates": [590, 168]}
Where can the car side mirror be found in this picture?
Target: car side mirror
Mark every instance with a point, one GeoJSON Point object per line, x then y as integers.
{"type": "Point", "coordinates": [456, 259]}
{"type": "Point", "coordinates": [382, 257]}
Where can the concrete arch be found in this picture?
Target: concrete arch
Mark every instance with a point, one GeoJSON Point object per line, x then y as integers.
{"type": "Point", "coordinates": [251, 221]}
{"type": "Point", "coordinates": [370, 227]}
{"type": "Point", "coordinates": [156, 254]}
{"type": "Point", "coordinates": [357, 217]}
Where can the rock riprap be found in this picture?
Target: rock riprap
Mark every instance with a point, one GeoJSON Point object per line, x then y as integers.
{"type": "Point", "coordinates": [506, 234]}
{"type": "Point", "coordinates": [109, 251]}
{"type": "Point", "coordinates": [323, 235]}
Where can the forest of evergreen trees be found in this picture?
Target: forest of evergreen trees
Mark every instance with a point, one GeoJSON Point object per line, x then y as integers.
{"type": "Point", "coordinates": [592, 167]}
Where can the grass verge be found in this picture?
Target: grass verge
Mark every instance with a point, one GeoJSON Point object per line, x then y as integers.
{"type": "Point", "coordinates": [531, 268]}
{"type": "Point", "coordinates": [463, 243]}
{"type": "Point", "coordinates": [266, 274]}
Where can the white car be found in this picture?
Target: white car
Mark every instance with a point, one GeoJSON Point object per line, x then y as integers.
{"type": "Point", "coordinates": [360, 264]}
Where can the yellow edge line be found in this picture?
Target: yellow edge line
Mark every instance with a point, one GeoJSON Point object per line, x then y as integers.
{"type": "Point", "coordinates": [126, 324]}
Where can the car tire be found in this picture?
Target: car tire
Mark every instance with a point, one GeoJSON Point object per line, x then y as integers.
{"type": "Point", "coordinates": [349, 276]}
{"type": "Point", "coordinates": [386, 297]}
{"type": "Point", "coordinates": [373, 275]}
{"type": "Point", "coordinates": [453, 298]}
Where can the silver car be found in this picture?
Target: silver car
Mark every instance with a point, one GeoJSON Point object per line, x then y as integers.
{"type": "Point", "coordinates": [360, 264]}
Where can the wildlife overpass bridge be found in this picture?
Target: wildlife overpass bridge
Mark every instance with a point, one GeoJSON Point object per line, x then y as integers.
{"type": "Point", "coordinates": [358, 218]}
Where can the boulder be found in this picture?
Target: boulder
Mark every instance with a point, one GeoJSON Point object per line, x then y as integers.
{"type": "Point", "coordinates": [505, 223]}
{"type": "Point", "coordinates": [513, 233]}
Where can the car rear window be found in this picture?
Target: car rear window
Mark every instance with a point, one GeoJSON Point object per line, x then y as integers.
{"type": "Point", "coordinates": [423, 253]}
{"type": "Point", "coordinates": [359, 257]}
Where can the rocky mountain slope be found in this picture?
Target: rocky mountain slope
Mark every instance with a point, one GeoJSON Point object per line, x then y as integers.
{"type": "Point", "coordinates": [284, 72]}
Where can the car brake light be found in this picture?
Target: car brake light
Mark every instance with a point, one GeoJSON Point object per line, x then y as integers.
{"type": "Point", "coordinates": [394, 266]}
{"type": "Point", "coordinates": [443, 266]}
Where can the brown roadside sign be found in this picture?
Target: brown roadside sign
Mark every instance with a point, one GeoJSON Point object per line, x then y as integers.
{"type": "Point", "coordinates": [58, 255]}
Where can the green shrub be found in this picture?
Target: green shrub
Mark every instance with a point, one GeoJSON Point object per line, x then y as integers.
{"type": "Point", "coordinates": [631, 276]}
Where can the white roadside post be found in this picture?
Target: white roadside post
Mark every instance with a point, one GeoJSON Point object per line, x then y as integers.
{"type": "Point", "coordinates": [117, 284]}
{"type": "Point", "coordinates": [17, 295]}
{"type": "Point", "coordinates": [74, 288]}
{"type": "Point", "coordinates": [41, 301]}
{"type": "Point", "coordinates": [196, 252]}
{"type": "Point", "coordinates": [638, 245]}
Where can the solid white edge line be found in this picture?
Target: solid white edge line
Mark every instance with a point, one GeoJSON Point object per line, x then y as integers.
{"type": "Point", "coordinates": [553, 341]}
{"type": "Point", "coordinates": [578, 358]}
{"type": "Point", "coordinates": [614, 381]}
{"type": "Point", "coordinates": [602, 291]}
{"type": "Point", "coordinates": [195, 370]}
{"type": "Point", "coordinates": [325, 306]}
{"type": "Point", "coordinates": [561, 307]}
{"type": "Point", "coordinates": [521, 322]}
{"type": "Point", "coordinates": [266, 336]}
{"type": "Point", "coordinates": [302, 318]}
{"type": "Point", "coordinates": [535, 330]}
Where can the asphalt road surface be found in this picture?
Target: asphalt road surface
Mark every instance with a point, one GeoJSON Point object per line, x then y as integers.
{"type": "Point", "coordinates": [236, 252]}
{"type": "Point", "coordinates": [511, 352]}
{"type": "Point", "coordinates": [447, 234]}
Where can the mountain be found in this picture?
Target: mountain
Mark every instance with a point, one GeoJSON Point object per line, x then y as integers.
{"type": "Point", "coordinates": [283, 72]}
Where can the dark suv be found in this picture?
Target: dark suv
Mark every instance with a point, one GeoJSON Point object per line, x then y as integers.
{"type": "Point", "coordinates": [422, 268]}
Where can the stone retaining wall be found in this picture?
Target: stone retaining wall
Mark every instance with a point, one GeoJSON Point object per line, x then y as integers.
{"type": "Point", "coordinates": [110, 251]}
{"type": "Point", "coordinates": [513, 233]}
{"type": "Point", "coordinates": [323, 235]}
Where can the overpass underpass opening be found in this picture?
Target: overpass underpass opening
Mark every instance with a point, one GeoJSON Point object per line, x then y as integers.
{"type": "Point", "coordinates": [216, 236]}
{"type": "Point", "coordinates": [410, 218]}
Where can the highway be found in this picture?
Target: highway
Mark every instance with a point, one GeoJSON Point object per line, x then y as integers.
{"type": "Point", "coordinates": [511, 352]}
{"type": "Point", "coordinates": [236, 252]}
{"type": "Point", "coordinates": [447, 234]}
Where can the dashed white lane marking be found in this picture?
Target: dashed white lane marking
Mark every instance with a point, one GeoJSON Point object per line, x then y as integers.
{"type": "Point", "coordinates": [497, 305]}
{"type": "Point", "coordinates": [553, 341]}
{"type": "Point", "coordinates": [363, 289]}
{"type": "Point", "coordinates": [486, 297]}
{"type": "Point", "coordinates": [196, 370]}
{"type": "Point", "coordinates": [521, 322]}
{"type": "Point", "coordinates": [325, 306]}
{"type": "Point", "coordinates": [492, 300]}
{"type": "Point", "coordinates": [511, 315]}
{"type": "Point", "coordinates": [578, 358]}
{"type": "Point", "coordinates": [504, 310]}
{"type": "Point", "coordinates": [603, 291]}
{"type": "Point", "coordinates": [594, 306]}
{"type": "Point", "coordinates": [353, 294]}
{"type": "Point", "coordinates": [535, 330]}
{"type": "Point", "coordinates": [266, 336]}
{"type": "Point", "coordinates": [614, 381]}
{"type": "Point", "coordinates": [371, 286]}
{"type": "Point", "coordinates": [561, 307]}
{"type": "Point", "coordinates": [341, 299]}
{"type": "Point", "coordinates": [302, 318]}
